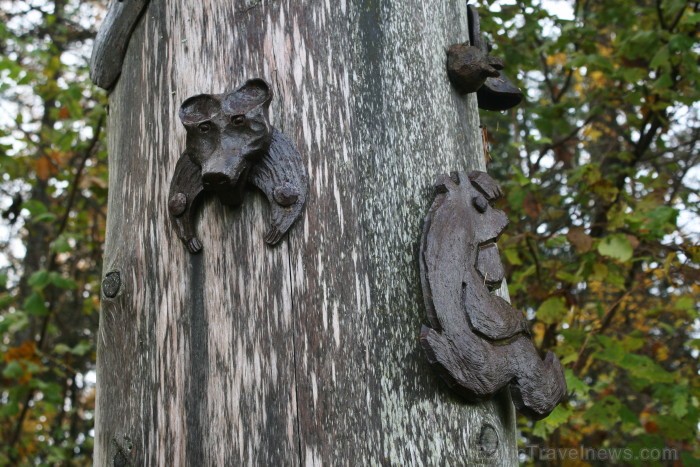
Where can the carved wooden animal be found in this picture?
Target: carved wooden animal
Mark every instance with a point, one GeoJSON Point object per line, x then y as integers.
{"type": "Point", "coordinates": [477, 341]}
{"type": "Point", "coordinates": [468, 67]}
{"type": "Point", "coordinates": [230, 143]}
{"type": "Point", "coordinates": [471, 69]}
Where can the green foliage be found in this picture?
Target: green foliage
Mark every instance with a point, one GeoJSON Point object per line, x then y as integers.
{"type": "Point", "coordinates": [616, 246]}
{"type": "Point", "coordinates": [600, 167]}
{"type": "Point", "coordinates": [52, 199]}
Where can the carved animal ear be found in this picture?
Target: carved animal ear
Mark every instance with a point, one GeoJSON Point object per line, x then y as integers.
{"type": "Point", "coordinates": [485, 184]}
{"type": "Point", "coordinates": [444, 183]}
{"type": "Point", "coordinates": [198, 109]}
{"type": "Point", "coordinates": [254, 93]}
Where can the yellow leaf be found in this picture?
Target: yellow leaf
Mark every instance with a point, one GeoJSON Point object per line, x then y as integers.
{"type": "Point", "coordinates": [591, 133]}
{"type": "Point", "coordinates": [557, 59]}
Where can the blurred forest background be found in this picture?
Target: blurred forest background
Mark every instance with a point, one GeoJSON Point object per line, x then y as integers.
{"type": "Point", "coordinates": [601, 166]}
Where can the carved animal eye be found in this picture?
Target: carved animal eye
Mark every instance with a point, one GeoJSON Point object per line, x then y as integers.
{"type": "Point", "coordinates": [480, 203]}
{"type": "Point", "coordinates": [204, 127]}
{"type": "Point", "coordinates": [238, 120]}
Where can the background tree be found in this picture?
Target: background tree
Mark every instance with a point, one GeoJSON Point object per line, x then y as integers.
{"type": "Point", "coordinates": [601, 170]}
{"type": "Point", "coordinates": [52, 197]}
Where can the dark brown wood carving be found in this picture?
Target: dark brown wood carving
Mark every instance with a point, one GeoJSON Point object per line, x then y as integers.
{"type": "Point", "coordinates": [230, 144]}
{"type": "Point", "coordinates": [475, 339]}
{"type": "Point", "coordinates": [471, 69]}
{"type": "Point", "coordinates": [113, 39]}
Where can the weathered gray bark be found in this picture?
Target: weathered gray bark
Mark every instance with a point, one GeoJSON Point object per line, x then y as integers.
{"type": "Point", "coordinates": [306, 353]}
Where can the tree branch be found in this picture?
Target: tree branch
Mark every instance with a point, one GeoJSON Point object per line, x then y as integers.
{"type": "Point", "coordinates": [89, 150]}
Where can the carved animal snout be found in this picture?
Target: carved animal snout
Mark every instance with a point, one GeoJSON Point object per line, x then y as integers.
{"type": "Point", "coordinates": [494, 226]}
{"type": "Point", "coordinates": [223, 172]}
{"type": "Point", "coordinates": [226, 178]}
{"type": "Point", "coordinates": [215, 179]}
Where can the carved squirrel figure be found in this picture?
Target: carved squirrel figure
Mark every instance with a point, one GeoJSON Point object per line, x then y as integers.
{"type": "Point", "coordinates": [478, 342]}
{"type": "Point", "coordinates": [471, 68]}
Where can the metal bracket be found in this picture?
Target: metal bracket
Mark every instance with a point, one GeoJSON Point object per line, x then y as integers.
{"type": "Point", "coordinates": [476, 340]}
{"type": "Point", "coordinates": [471, 69]}
{"type": "Point", "coordinates": [231, 143]}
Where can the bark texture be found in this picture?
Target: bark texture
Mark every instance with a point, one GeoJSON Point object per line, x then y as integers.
{"type": "Point", "coordinates": [306, 353]}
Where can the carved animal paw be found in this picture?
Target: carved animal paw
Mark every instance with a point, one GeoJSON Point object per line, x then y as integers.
{"type": "Point", "coordinates": [194, 245]}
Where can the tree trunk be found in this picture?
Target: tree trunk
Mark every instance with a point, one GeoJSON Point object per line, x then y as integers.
{"type": "Point", "coordinates": [306, 353]}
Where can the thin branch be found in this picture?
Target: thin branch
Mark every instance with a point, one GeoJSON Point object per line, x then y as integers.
{"type": "Point", "coordinates": [676, 20]}
{"type": "Point", "coordinates": [609, 314]}
{"type": "Point", "coordinates": [567, 84]}
{"type": "Point", "coordinates": [533, 252]}
{"type": "Point", "coordinates": [89, 150]}
{"type": "Point", "coordinates": [87, 153]}
{"type": "Point", "coordinates": [562, 140]}
{"type": "Point", "coordinates": [660, 15]}
{"type": "Point", "coordinates": [547, 79]}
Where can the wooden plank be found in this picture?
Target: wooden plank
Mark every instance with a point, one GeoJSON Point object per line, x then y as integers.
{"type": "Point", "coordinates": [306, 353]}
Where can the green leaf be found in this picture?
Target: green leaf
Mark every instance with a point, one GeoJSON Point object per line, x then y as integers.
{"type": "Point", "coordinates": [660, 220]}
{"type": "Point", "coordinates": [554, 420]}
{"type": "Point", "coordinates": [58, 455]}
{"type": "Point", "coordinates": [638, 366]}
{"type": "Point", "coordinates": [660, 59]}
{"type": "Point", "coordinates": [568, 277]}
{"type": "Point", "coordinates": [82, 348]}
{"type": "Point", "coordinates": [664, 82]}
{"type": "Point", "coordinates": [6, 300]}
{"type": "Point", "coordinates": [678, 429]}
{"type": "Point", "coordinates": [630, 344]}
{"type": "Point", "coordinates": [39, 279]}
{"type": "Point", "coordinates": [685, 303]}
{"type": "Point", "coordinates": [8, 410]}
{"type": "Point", "coordinates": [612, 350]}
{"type": "Point", "coordinates": [34, 207]}
{"type": "Point", "coordinates": [604, 412]}
{"type": "Point", "coordinates": [13, 322]}
{"type": "Point", "coordinates": [44, 217]}
{"type": "Point", "coordinates": [616, 247]}
{"type": "Point", "coordinates": [630, 420]}
{"type": "Point", "coordinates": [679, 407]}
{"type": "Point", "coordinates": [61, 349]}
{"type": "Point", "coordinates": [52, 392]}
{"type": "Point", "coordinates": [600, 272]}
{"type": "Point", "coordinates": [680, 43]}
{"type": "Point", "coordinates": [61, 245]}
{"type": "Point", "coordinates": [574, 384]}
{"type": "Point", "coordinates": [34, 305]}
{"type": "Point", "coordinates": [13, 370]}
{"type": "Point", "coordinates": [62, 282]}
{"type": "Point", "coordinates": [641, 40]}
{"type": "Point", "coordinates": [512, 256]}
{"type": "Point", "coordinates": [641, 366]}
{"type": "Point", "coordinates": [552, 310]}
